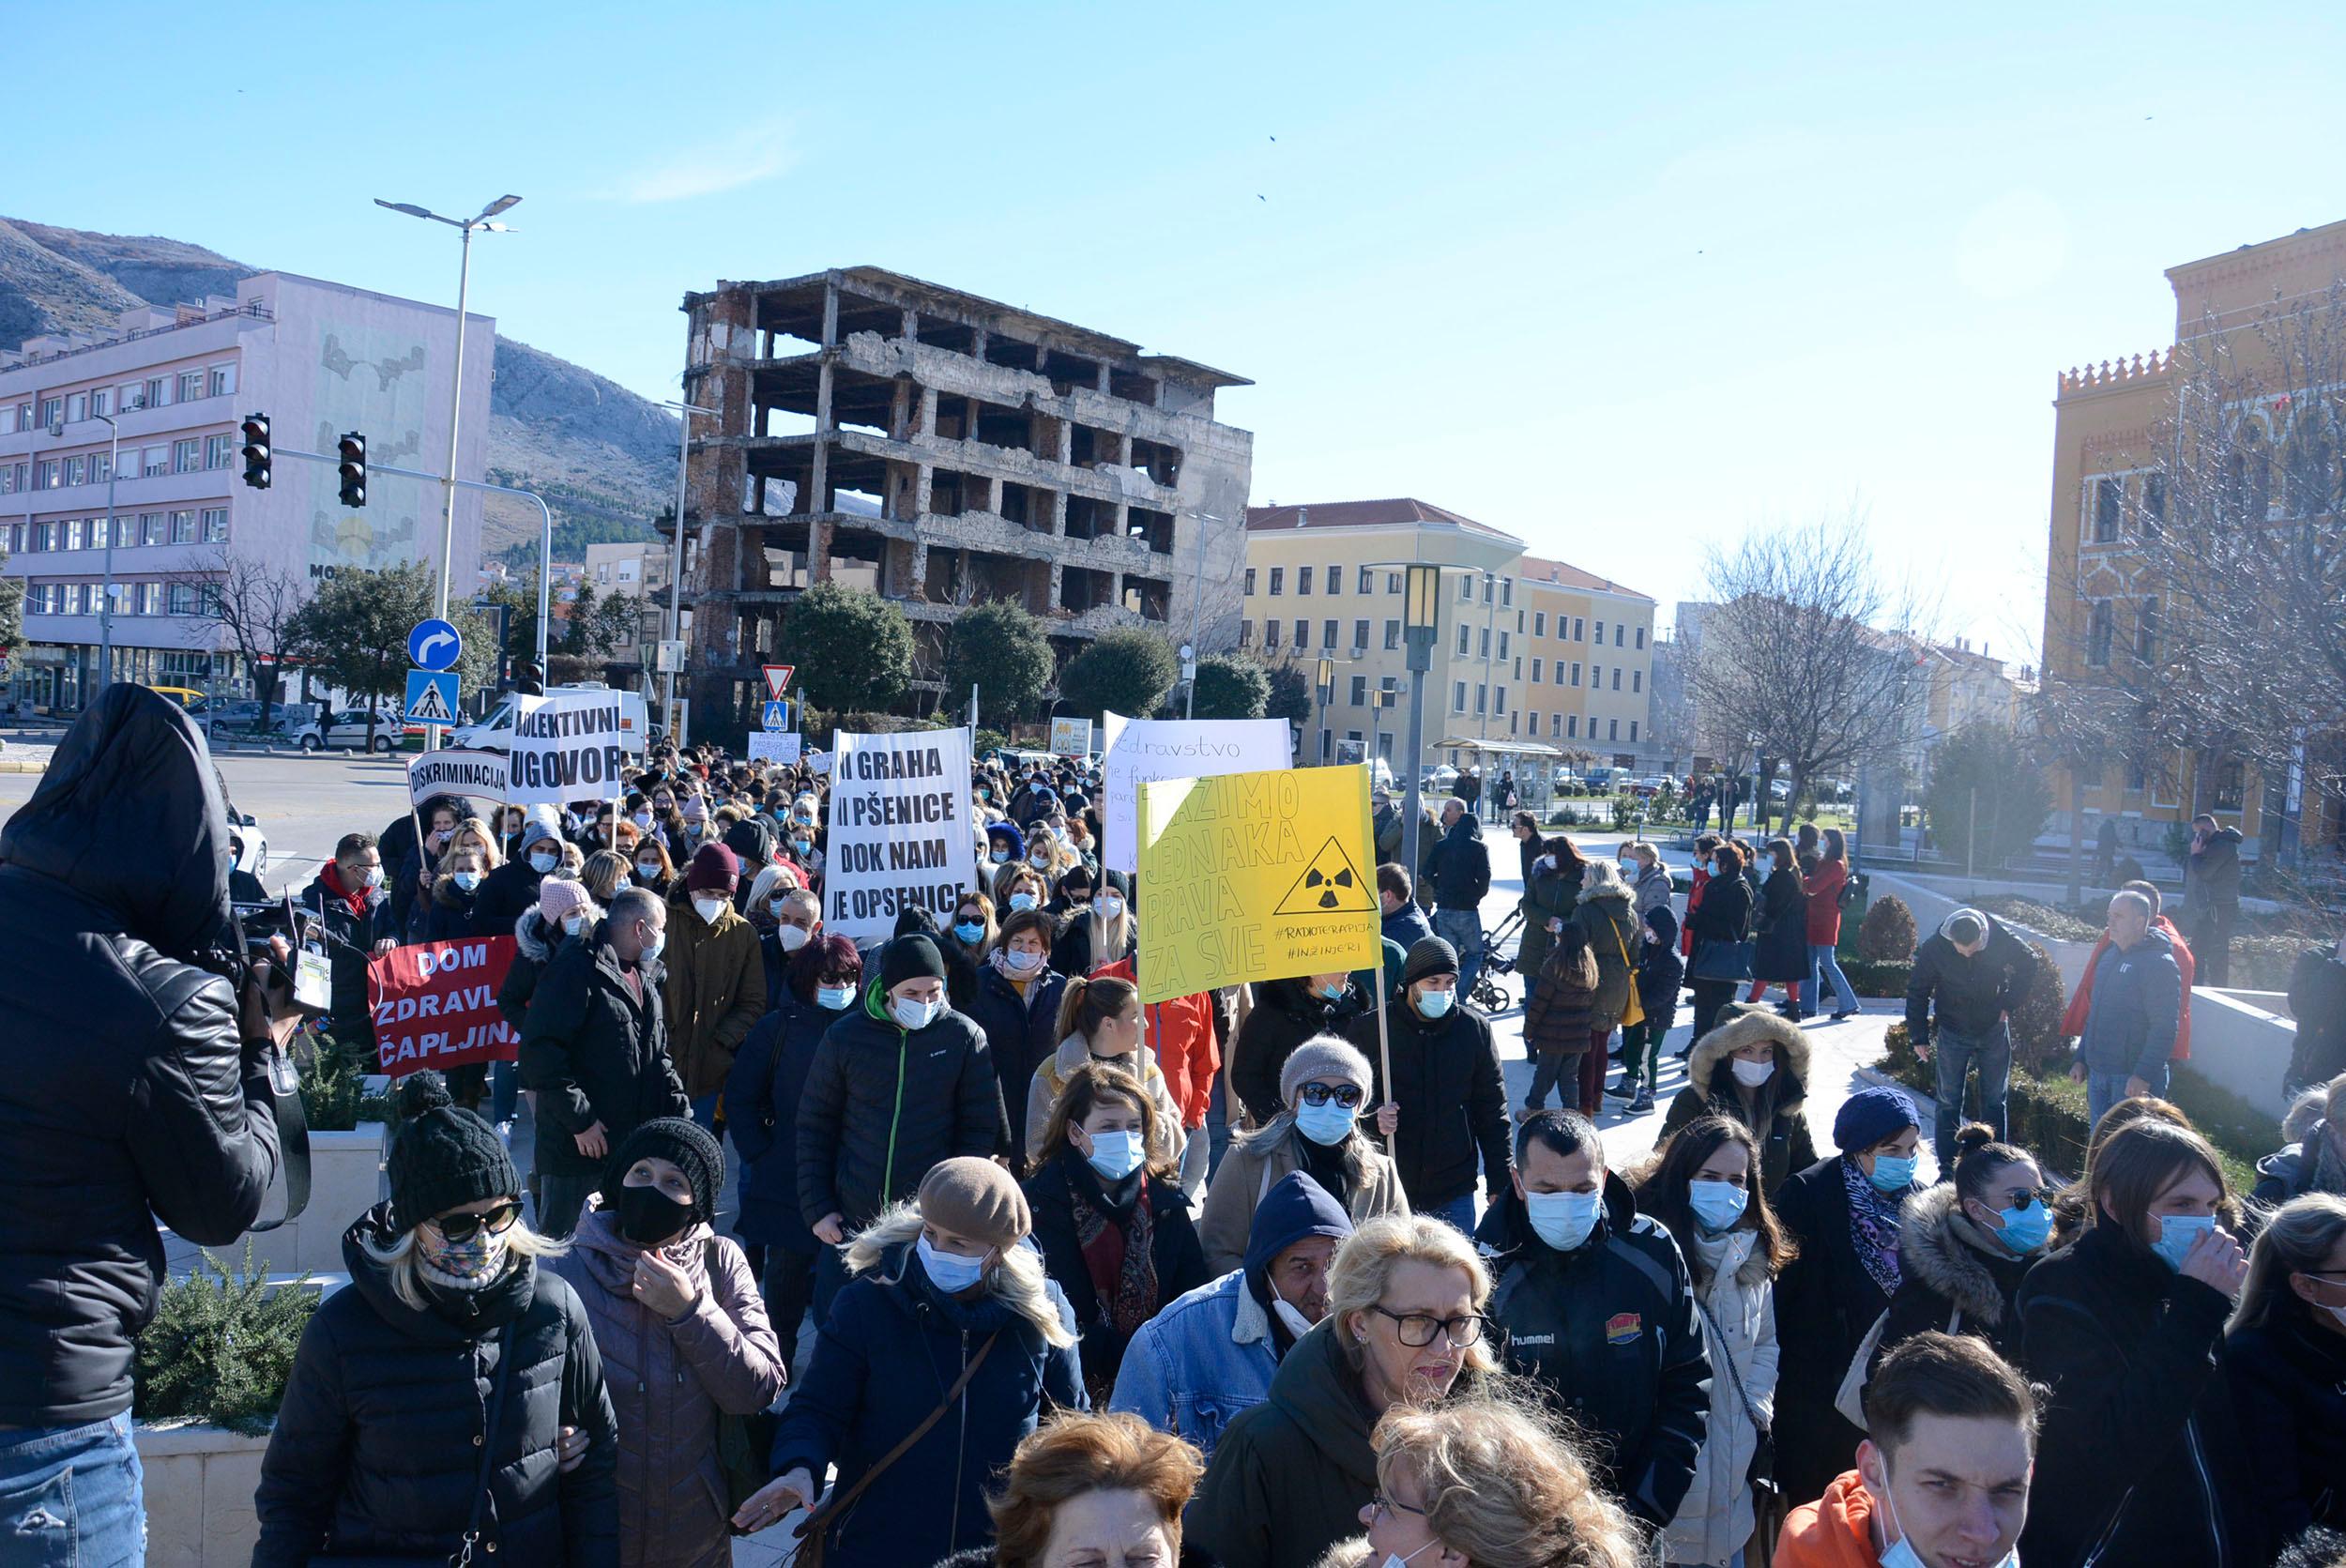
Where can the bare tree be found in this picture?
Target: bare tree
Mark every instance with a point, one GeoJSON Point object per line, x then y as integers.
{"type": "Point", "coordinates": [254, 604]}
{"type": "Point", "coordinates": [1810, 658]}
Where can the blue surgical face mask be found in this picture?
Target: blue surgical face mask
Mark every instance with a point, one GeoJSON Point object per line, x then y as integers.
{"type": "Point", "coordinates": [1333, 993]}
{"type": "Point", "coordinates": [915, 1016]}
{"type": "Point", "coordinates": [652, 949]}
{"type": "Point", "coordinates": [466, 880]}
{"type": "Point", "coordinates": [999, 857]}
{"type": "Point", "coordinates": [967, 930]}
{"type": "Point", "coordinates": [2176, 1233]}
{"type": "Point", "coordinates": [949, 1270]}
{"type": "Point", "coordinates": [1436, 1004]}
{"type": "Point", "coordinates": [1717, 1204]}
{"type": "Point", "coordinates": [1116, 1155]}
{"type": "Point", "coordinates": [1894, 1173]}
{"type": "Point", "coordinates": [544, 862]}
{"type": "Point", "coordinates": [2024, 1229]}
{"type": "Point", "coordinates": [1563, 1220]}
{"type": "Point", "coordinates": [1326, 1123]}
{"type": "Point", "coordinates": [1901, 1553]}
{"type": "Point", "coordinates": [833, 999]}
{"type": "Point", "coordinates": [1021, 903]}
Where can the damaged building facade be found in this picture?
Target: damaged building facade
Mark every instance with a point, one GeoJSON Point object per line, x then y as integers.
{"type": "Point", "coordinates": [945, 451]}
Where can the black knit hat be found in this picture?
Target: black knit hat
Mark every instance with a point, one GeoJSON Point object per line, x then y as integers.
{"type": "Point", "coordinates": [909, 958]}
{"type": "Point", "coordinates": [443, 1156]}
{"type": "Point", "coordinates": [1428, 955]}
{"type": "Point", "coordinates": [687, 1145]}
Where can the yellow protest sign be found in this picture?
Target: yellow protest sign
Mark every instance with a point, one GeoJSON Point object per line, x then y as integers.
{"type": "Point", "coordinates": [1255, 876]}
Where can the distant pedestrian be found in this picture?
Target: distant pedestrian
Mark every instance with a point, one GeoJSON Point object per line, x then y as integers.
{"type": "Point", "coordinates": [2138, 999]}
{"type": "Point", "coordinates": [1459, 868]}
{"type": "Point", "coordinates": [2105, 852]}
{"type": "Point", "coordinates": [2211, 897]}
{"type": "Point", "coordinates": [1966, 982]}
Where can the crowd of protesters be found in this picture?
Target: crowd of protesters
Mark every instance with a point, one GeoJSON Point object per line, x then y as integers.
{"type": "Point", "coordinates": [1021, 1270]}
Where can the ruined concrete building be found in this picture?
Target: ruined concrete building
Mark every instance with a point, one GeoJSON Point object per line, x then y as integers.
{"type": "Point", "coordinates": [945, 451]}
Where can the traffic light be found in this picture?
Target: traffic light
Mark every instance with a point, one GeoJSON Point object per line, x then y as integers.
{"type": "Point", "coordinates": [353, 452]}
{"type": "Point", "coordinates": [256, 453]}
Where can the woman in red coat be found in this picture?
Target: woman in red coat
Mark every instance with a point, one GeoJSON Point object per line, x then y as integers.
{"type": "Point", "coordinates": [1824, 930]}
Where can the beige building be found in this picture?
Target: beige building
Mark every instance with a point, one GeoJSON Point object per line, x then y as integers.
{"type": "Point", "coordinates": [639, 571]}
{"type": "Point", "coordinates": [1529, 652]}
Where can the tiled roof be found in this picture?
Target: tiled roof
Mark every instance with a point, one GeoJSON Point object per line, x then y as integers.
{"type": "Point", "coordinates": [1564, 575]}
{"type": "Point", "coordinates": [1396, 513]}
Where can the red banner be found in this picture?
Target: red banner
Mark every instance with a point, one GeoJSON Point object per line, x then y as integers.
{"type": "Point", "coordinates": [436, 1004]}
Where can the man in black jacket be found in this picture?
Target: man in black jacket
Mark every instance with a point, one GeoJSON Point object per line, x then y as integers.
{"type": "Point", "coordinates": [2211, 898]}
{"type": "Point", "coordinates": [135, 1087]}
{"type": "Point", "coordinates": [594, 1049]}
{"type": "Point", "coordinates": [347, 898]}
{"type": "Point", "coordinates": [1596, 1306]}
{"type": "Point", "coordinates": [1446, 1082]}
{"type": "Point", "coordinates": [1459, 869]}
{"type": "Point", "coordinates": [1977, 972]}
{"type": "Point", "coordinates": [898, 1083]}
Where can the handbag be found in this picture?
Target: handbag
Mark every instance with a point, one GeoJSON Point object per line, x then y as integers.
{"type": "Point", "coordinates": [744, 1442]}
{"type": "Point", "coordinates": [1727, 960]}
{"type": "Point", "coordinates": [816, 1525]}
{"type": "Point", "coordinates": [462, 1555]}
{"type": "Point", "coordinates": [1632, 1014]}
{"type": "Point", "coordinates": [1767, 1498]}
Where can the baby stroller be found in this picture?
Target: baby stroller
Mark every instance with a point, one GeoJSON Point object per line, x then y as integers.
{"type": "Point", "coordinates": [1499, 949]}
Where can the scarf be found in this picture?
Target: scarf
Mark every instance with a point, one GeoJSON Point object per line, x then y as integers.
{"type": "Point", "coordinates": [1119, 1254]}
{"type": "Point", "coordinates": [1873, 1222]}
{"type": "Point", "coordinates": [332, 877]}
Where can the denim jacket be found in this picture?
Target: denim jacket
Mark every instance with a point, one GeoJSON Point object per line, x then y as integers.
{"type": "Point", "coordinates": [1194, 1366]}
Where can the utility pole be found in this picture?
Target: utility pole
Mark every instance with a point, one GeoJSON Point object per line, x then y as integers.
{"type": "Point", "coordinates": [676, 567]}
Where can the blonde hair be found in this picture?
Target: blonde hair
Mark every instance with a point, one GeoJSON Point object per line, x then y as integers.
{"type": "Point", "coordinates": [1505, 1484]}
{"type": "Point", "coordinates": [1017, 1279]}
{"type": "Point", "coordinates": [1363, 1267]}
{"type": "Point", "coordinates": [403, 1265]}
{"type": "Point", "coordinates": [604, 874]}
{"type": "Point", "coordinates": [476, 832]}
{"type": "Point", "coordinates": [1600, 873]}
{"type": "Point", "coordinates": [2297, 1239]}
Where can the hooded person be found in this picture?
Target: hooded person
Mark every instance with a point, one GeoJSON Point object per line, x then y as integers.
{"type": "Point", "coordinates": [1753, 1067]}
{"type": "Point", "coordinates": [137, 1084]}
{"type": "Point", "coordinates": [452, 1358]}
{"type": "Point", "coordinates": [676, 1309]}
{"type": "Point", "coordinates": [511, 889]}
{"type": "Point", "coordinates": [1286, 1012]}
{"type": "Point", "coordinates": [716, 980]}
{"type": "Point", "coordinates": [1323, 1089]}
{"type": "Point", "coordinates": [1210, 1354]}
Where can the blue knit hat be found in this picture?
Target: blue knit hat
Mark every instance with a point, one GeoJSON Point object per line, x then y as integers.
{"type": "Point", "coordinates": [1870, 1116]}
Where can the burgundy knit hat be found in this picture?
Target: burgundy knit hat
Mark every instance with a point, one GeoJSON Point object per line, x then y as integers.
{"type": "Point", "coordinates": [715, 869]}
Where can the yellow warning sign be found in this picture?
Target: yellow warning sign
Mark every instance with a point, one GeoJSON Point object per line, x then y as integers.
{"type": "Point", "coordinates": [1254, 877]}
{"type": "Point", "coordinates": [1329, 883]}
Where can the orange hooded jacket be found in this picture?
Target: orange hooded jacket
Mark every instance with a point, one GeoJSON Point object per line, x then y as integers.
{"type": "Point", "coordinates": [1835, 1532]}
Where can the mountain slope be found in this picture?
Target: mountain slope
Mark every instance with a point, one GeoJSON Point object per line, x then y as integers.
{"type": "Point", "coordinates": [603, 458]}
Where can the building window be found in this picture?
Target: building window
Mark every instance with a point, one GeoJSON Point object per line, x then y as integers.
{"type": "Point", "coordinates": [1466, 590]}
{"type": "Point", "coordinates": [150, 527]}
{"type": "Point", "coordinates": [1303, 580]}
{"type": "Point", "coordinates": [1539, 623]}
{"type": "Point", "coordinates": [1572, 726]}
{"type": "Point", "coordinates": [1633, 732]}
{"type": "Point", "coordinates": [72, 533]}
{"type": "Point", "coordinates": [1393, 633]}
{"type": "Point", "coordinates": [1596, 678]}
{"type": "Point", "coordinates": [215, 525]}
{"type": "Point", "coordinates": [151, 599]}
{"type": "Point", "coordinates": [1327, 636]}
{"type": "Point", "coordinates": [1502, 644]}
{"type": "Point", "coordinates": [1246, 634]}
{"type": "Point", "coordinates": [1579, 629]}
{"type": "Point", "coordinates": [1303, 634]}
{"type": "Point", "coordinates": [1481, 699]}
{"type": "Point", "coordinates": [76, 471]}
{"type": "Point", "coordinates": [1498, 699]}
{"type": "Point", "coordinates": [1641, 637]}
{"type": "Point", "coordinates": [2097, 623]}
{"type": "Point", "coordinates": [101, 401]}
{"type": "Point", "coordinates": [1612, 729]}
{"type": "Point", "coordinates": [1250, 582]}
{"type": "Point", "coordinates": [218, 450]}
{"type": "Point", "coordinates": [1393, 582]}
{"type": "Point", "coordinates": [2153, 500]}
{"type": "Point", "coordinates": [1616, 677]}
{"type": "Point", "coordinates": [157, 462]}
{"type": "Point", "coordinates": [158, 392]}
{"type": "Point", "coordinates": [222, 380]}
{"type": "Point", "coordinates": [1466, 641]}
{"type": "Point", "coordinates": [1535, 672]}
{"type": "Point", "coordinates": [2231, 787]}
{"type": "Point", "coordinates": [190, 386]}
{"type": "Point", "coordinates": [1336, 579]}
{"type": "Point", "coordinates": [2146, 631]}
{"type": "Point", "coordinates": [1278, 581]}
{"type": "Point", "coordinates": [2110, 497]}
{"type": "Point", "coordinates": [1366, 578]}
{"type": "Point", "coordinates": [183, 527]}
{"type": "Point", "coordinates": [1270, 634]}
{"type": "Point", "coordinates": [1360, 635]}
{"type": "Point", "coordinates": [52, 411]}
{"type": "Point", "coordinates": [182, 598]}
{"type": "Point", "coordinates": [1458, 697]}
{"type": "Point", "coordinates": [1359, 691]}
{"type": "Point", "coordinates": [1507, 593]}
{"type": "Point", "coordinates": [187, 456]}
{"type": "Point", "coordinates": [1637, 681]}
{"type": "Point", "coordinates": [1576, 673]}
{"type": "Point", "coordinates": [1486, 644]}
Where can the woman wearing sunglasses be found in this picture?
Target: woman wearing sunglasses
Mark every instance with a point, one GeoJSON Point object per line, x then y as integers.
{"type": "Point", "coordinates": [1323, 1086]}
{"type": "Point", "coordinates": [1966, 1243]}
{"type": "Point", "coordinates": [1296, 1474]}
{"type": "Point", "coordinates": [453, 1394]}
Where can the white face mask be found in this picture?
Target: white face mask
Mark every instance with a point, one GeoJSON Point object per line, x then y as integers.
{"type": "Point", "coordinates": [1290, 1313]}
{"type": "Point", "coordinates": [1109, 907]}
{"type": "Point", "coordinates": [708, 910]}
{"type": "Point", "coordinates": [1751, 1074]}
{"type": "Point", "coordinates": [791, 938]}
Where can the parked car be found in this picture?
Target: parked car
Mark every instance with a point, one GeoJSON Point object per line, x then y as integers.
{"type": "Point", "coordinates": [346, 729]}
{"type": "Point", "coordinates": [248, 844]}
{"type": "Point", "coordinates": [1442, 777]}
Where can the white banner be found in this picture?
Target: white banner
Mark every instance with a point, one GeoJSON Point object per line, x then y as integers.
{"type": "Point", "coordinates": [900, 833]}
{"type": "Point", "coordinates": [775, 746]}
{"type": "Point", "coordinates": [818, 761]}
{"type": "Point", "coordinates": [1071, 737]}
{"type": "Point", "coordinates": [569, 746]}
{"type": "Point", "coordinates": [1138, 750]}
{"type": "Point", "coordinates": [456, 770]}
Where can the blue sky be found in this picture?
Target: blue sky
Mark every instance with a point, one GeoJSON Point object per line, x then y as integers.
{"type": "Point", "coordinates": [1623, 285]}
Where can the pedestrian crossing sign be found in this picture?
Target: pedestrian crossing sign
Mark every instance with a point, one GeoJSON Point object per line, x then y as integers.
{"type": "Point", "coordinates": [431, 697]}
{"type": "Point", "coordinates": [776, 717]}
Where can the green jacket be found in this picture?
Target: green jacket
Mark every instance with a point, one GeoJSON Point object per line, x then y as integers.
{"type": "Point", "coordinates": [1614, 941]}
{"type": "Point", "coordinates": [1549, 896]}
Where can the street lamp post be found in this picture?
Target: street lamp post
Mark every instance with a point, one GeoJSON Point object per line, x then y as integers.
{"type": "Point", "coordinates": [1421, 610]}
{"type": "Point", "coordinates": [456, 397]}
{"type": "Point", "coordinates": [675, 563]}
{"type": "Point", "coordinates": [1325, 674]}
{"type": "Point", "coordinates": [106, 609]}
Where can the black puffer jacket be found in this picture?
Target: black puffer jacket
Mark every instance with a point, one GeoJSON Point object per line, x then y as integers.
{"type": "Point", "coordinates": [1453, 1099]}
{"type": "Point", "coordinates": [1972, 992]}
{"type": "Point", "coordinates": [882, 1106]}
{"type": "Point", "coordinates": [122, 1085]}
{"type": "Point", "coordinates": [1285, 1013]}
{"type": "Point", "coordinates": [596, 1049]}
{"type": "Point", "coordinates": [378, 1446]}
{"type": "Point", "coordinates": [1955, 1278]}
{"type": "Point", "coordinates": [350, 938]}
{"type": "Point", "coordinates": [2288, 1379]}
{"type": "Point", "coordinates": [1022, 1032]}
{"type": "Point", "coordinates": [511, 891]}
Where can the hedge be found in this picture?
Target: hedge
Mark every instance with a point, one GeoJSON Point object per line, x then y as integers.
{"type": "Point", "coordinates": [1877, 977]}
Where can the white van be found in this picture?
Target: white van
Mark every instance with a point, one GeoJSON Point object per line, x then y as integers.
{"type": "Point", "coordinates": [494, 732]}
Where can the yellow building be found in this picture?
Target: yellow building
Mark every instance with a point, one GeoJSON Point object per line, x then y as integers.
{"type": "Point", "coordinates": [2114, 434]}
{"type": "Point", "coordinates": [1530, 650]}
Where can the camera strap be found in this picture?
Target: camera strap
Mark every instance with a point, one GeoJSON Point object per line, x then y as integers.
{"type": "Point", "coordinates": [292, 1135]}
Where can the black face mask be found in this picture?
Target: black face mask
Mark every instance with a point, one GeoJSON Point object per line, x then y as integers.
{"type": "Point", "coordinates": [649, 1216]}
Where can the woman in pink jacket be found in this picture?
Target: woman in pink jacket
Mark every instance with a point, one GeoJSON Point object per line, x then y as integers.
{"type": "Point", "coordinates": [683, 1335]}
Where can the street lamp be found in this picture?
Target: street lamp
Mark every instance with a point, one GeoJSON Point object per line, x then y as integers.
{"type": "Point", "coordinates": [676, 564]}
{"type": "Point", "coordinates": [106, 610]}
{"type": "Point", "coordinates": [456, 397]}
{"type": "Point", "coordinates": [1325, 680]}
{"type": "Point", "coordinates": [1421, 619]}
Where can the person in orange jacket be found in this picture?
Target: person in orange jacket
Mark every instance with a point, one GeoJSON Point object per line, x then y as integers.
{"type": "Point", "coordinates": [1942, 1480]}
{"type": "Point", "coordinates": [2073, 1017]}
{"type": "Point", "coordinates": [1181, 1033]}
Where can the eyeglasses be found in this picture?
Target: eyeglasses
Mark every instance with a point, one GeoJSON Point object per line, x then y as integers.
{"type": "Point", "coordinates": [464, 1228]}
{"type": "Point", "coordinates": [1417, 1330]}
{"type": "Point", "coordinates": [1346, 1095]}
{"type": "Point", "coordinates": [1385, 1507]}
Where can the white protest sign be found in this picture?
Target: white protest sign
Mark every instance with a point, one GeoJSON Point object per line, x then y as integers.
{"type": "Point", "coordinates": [570, 746]}
{"type": "Point", "coordinates": [775, 746]}
{"type": "Point", "coordinates": [818, 761]}
{"type": "Point", "coordinates": [1071, 737]}
{"type": "Point", "coordinates": [901, 835]}
{"type": "Point", "coordinates": [1138, 750]}
{"type": "Point", "coordinates": [456, 770]}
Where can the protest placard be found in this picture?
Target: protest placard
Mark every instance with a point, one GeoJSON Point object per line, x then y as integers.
{"type": "Point", "coordinates": [455, 770]}
{"type": "Point", "coordinates": [569, 746]}
{"type": "Point", "coordinates": [901, 835]}
{"type": "Point", "coordinates": [1256, 876]}
{"type": "Point", "coordinates": [1139, 750]}
{"type": "Point", "coordinates": [818, 762]}
{"type": "Point", "coordinates": [772, 746]}
{"type": "Point", "coordinates": [1071, 737]}
{"type": "Point", "coordinates": [436, 1004]}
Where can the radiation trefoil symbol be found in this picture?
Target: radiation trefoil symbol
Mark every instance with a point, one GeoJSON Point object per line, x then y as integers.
{"type": "Point", "coordinates": [1330, 886]}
